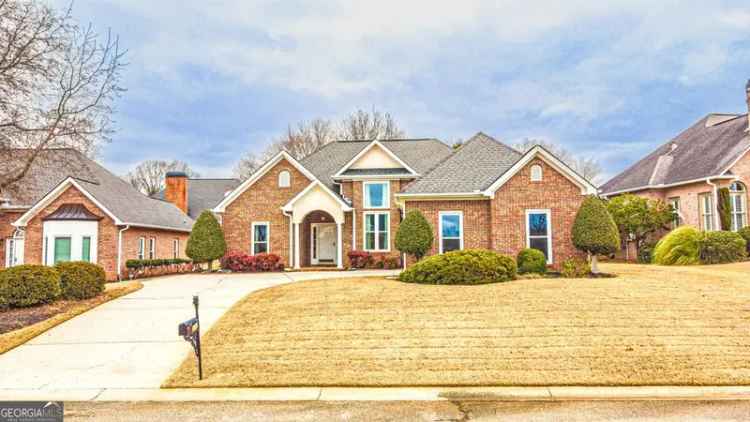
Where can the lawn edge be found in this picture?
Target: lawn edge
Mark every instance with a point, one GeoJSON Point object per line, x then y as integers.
{"type": "Point", "coordinates": [15, 338]}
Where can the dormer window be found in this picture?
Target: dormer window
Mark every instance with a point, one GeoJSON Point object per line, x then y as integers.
{"type": "Point", "coordinates": [536, 173]}
{"type": "Point", "coordinates": [285, 179]}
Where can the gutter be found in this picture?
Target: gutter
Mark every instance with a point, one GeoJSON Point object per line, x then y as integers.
{"type": "Point", "coordinates": [685, 182]}
{"type": "Point", "coordinates": [119, 252]}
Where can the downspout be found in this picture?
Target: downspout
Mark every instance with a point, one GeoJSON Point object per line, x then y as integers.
{"type": "Point", "coordinates": [119, 252]}
{"type": "Point", "coordinates": [715, 211]}
{"type": "Point", "coordinates": [291, 240]}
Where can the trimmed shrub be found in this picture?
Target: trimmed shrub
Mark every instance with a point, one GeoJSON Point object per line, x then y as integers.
{"type": "Point", "coordinates": [745, 233]}
{"type": "Point", "coordinates": [414, 235]}
{"type": "Point", "coordinates": [206, 241]}
{"type": "Point", "coordinates": [238, 262]}
{"type": "Point", "coordinates": [268, 262]}
{"type": "Point", "coordinates": [472, 266]}
{"type": "Point", "coordinates": [359, 259]}
{"type": "Point", "coordinates": [29, 285]}
{"type": "Point", "coordinates": [594, 230]}
{"type": "Point", "coordinates": [384, 263]}
{"type": "Point", "coordinates": [575, 268]}
{"type": "Point", "coordinates": [681, 246]}
{"type": "Point", "coordinates": [151, 263]}
{"type": "Point", "coordinates": [81, 280]}
{"type": "Point", "coordinates": [531, 261]}
{"type": "Point", "coordinates": [722, 247]}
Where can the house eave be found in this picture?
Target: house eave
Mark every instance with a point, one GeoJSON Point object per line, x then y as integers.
{"type": "Point", "coordinates": [441, 196]}
{"type": "Point", "coordinates": [668, 185]}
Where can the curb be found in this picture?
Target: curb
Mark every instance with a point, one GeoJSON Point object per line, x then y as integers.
{"type": "Point", "coordinates": [388, 394]}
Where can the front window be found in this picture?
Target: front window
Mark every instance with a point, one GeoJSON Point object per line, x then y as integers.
{"type": "Point", "coordinates": [62, 250]}
{"type": "Point", "coordinates": [377, 229]}
{"type": "Point", "coordinates": [152, 248]}
{"type": "Point", "coordinates": [176, 248]}
{"type": "Point", "coordinates": [376, 194]}
{"type": "Point", "coordinates": [451, 231]}
{"type": "Point", "coordinates": [260, 238]}
{"type": "Point", "coordinates": [141, 248]}
{"type": "Point", "coordinates": [86, 249]}
{"type": "Point", "coordinates": [738, 199]}
{"type": "Point", "coordinates": [539, 233]}
{"type": "Point", "coordinates": [674, 204]}
{"type": "Point", "coordinates": [707, 211]}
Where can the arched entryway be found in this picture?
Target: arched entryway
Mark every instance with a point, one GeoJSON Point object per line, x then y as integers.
{"type": "Point", "coordinates": [318, 242]}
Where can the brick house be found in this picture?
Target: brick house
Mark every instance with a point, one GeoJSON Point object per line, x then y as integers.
{"type": "Point", "coordinates": [688, 171]}
{"type": "Point", "coordinates": [352, 195]}
{"type": "Point", "coordinates": [68, 207]}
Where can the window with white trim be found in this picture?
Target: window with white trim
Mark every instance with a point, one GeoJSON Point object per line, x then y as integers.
{"type": "Point", "coordinates": [376, 194]}
{"type": "Point", "coordinates": [377, 231]}
{"type": "Point", "coordinates": [152, 248]}
{"type": "Point", "coordinates": [706, 204]}
{"type": "Point", "coordinates": [260, 234]}
{"type": "Point", "coordinates": [141, 248]}
{"type": "Point", "coordinates": [285, 179]}
{"type": "Point", "coordinates": [674, 204]}
{"type": "Point", "coordinates": [539, 232]}
{"type": "Point", "coordinates": [451, 231]}
{"type": "Point", "coordinates": [175, 248]}
{"type": "Point", "coordinates": [738, 200]}
{"type": "Point", "coordinates": [536, 173]}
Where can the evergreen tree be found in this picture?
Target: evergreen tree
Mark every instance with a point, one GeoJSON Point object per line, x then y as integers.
{"type": "Point", "coordinates": [206, 242]}
{"type": "Point", "coordinates": [594, 230]}
{"type": "Point", "coordinates": [414, 235]}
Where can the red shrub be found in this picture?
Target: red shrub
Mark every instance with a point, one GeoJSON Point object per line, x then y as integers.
{"type": "Point", "coordinates": [238, 262]}
{"type": "Point", "coordinates": [268, 262]}
{"type": "Point", "coordinates": [359, 259]}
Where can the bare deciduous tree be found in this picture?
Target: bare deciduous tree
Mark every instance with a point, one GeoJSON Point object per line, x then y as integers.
{"type": "Point", "coordinates": [58, 82]}
{"type": "Point", "coordinates": [148, 176]}
{"type": "Point", "coordinates": [306, 137]}
{"type": "Point", "coordinates": [587, 167]}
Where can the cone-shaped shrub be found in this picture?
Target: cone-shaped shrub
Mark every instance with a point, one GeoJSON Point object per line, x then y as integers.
{"type": "Point", "coordinates": [681, 246]}
{"type": "Point", "coordinates": [414, 235]}
{"type": "Point", "coordinates": [594, 230]}
{"type": "Point", "coordinates": [206, 241]}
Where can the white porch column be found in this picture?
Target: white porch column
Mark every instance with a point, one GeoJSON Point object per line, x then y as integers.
{"type": "Point", "coordinates": [339, 245]}
{"type": "Point", "coordinates": [296, 246]}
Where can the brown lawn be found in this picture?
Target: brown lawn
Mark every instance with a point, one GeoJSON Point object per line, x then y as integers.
{"type": "Point", "coordinates": [649, 326]}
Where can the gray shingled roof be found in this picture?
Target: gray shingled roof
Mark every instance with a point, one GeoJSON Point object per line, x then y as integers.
{"type": "Point", "coordinates": [114, 193]}
{"type": "Point", "coordinates": [377, 172]}
{"type": "Point", "coordinates": [419, 154]}
{"type": "Point", "coordinates": [696, 153]}
{"type": "Point", "coordinates": [205, 194]}
{"type": "Point", "coordinates": [473, 167]}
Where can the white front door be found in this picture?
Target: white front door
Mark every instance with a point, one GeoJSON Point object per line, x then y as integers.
{"type": "Point", "coordinates": [323, 243]}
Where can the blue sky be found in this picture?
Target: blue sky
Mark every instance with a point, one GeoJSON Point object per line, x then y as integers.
{"type": "Point", "coordinates": [210, 80]}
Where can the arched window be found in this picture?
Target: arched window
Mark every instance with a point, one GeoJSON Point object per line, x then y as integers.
{"type": "Point", "coordinates": [738, 199]}
{"type": "Point", "coordinates": [536, 173]}
{"type": "Point", "coordinates": [285, 179]}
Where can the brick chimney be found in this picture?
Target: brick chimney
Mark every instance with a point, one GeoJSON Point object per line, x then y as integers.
{"type": "Point", "coordinates": [176, 191]}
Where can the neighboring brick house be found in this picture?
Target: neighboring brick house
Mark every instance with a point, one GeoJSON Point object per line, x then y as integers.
{"type": "Point", "coordinates": [352, 195]}
{"type": "Point", "coordinates": [688, 171]}
{"type": "Point", "coordinates": [67, 207]}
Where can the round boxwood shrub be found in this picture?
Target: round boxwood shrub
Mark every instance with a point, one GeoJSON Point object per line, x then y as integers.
{"type": "Point", "coordinates": [681, 246]}
{"type": "Point", "coordinates": [745, 233]}
{"type": "Point", "coordinates": [81, 280]}
{"type": "Point", "coordinates": [722, 247]}
{"type": "Point", "coordinates": [29, 285]}
{"type": "Point", "coordinates": [531, 261]}
{"type": "Point", "coordinates": [473, 266]}
{"type": "Point", "coordinates": [414, 235]}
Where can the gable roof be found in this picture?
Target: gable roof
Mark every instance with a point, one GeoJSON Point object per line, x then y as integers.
{"type": "Point", "coordinates": [375, 144]}
{"type": "Point", "coordinates": [204, 194]}
{"type": "Point", "coordinates": [706, 149]}
{"type": "Point", "coordinates": [421, 155]}
{"type": "Point", "coordinates": [60, 168]}
{"type": "Point", "coordinates": [472, 168]}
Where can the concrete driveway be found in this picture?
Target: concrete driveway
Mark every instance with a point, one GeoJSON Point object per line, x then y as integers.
{"type": "Point", "coordinates": [131, 342]}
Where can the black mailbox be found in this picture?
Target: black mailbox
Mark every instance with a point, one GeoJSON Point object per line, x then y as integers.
{"type": "Point", "coordinates": [188, 329]}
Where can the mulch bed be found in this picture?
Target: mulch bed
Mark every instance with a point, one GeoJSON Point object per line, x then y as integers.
{"type": "Point", "coordinates": [13, 319]}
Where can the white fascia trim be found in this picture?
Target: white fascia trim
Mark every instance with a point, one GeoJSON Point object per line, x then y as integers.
{"type": "Point", "coordinates": [369, 147]}
{"type": "Point", "coordinates": [586, 187]}
{"type": "Point", "coordinates": [288, 206]}
{"type": "Point", "coordinates": [377, 177]}
{"type": "Point", "coordinates": [669, 185]}
{"type": "Point", "coordinates": [154, 226]}
{"type": "Point", "coordinates": [729, 167]}
{"type": "Point", "coordinates": [440, 196]}
{"type": "Point", "coordinates": [258, 174]}
{"type": "Point", "coordinates": [53, 194]}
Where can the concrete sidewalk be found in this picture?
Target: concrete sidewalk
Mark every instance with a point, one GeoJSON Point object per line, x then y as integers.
{"type": "Point", "coordinates": [388, 394]}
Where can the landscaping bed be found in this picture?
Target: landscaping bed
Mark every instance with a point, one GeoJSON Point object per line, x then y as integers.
{"type": "Point", "coordinates": [651, 325]}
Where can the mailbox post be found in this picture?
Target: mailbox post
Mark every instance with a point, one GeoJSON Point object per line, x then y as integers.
{"type": "Point", "coordinates": [190, 330]}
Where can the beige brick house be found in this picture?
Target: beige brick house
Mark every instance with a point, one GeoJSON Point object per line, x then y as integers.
{"type": "Point", "coordinates": [688, 171]}
{"type": "Point", "coordinates": [69, 208]}
{"type": "Point", "coordinates": [352, 195]}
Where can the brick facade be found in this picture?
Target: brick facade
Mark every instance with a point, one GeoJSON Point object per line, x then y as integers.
{"type": "Point", "coordinates": [476, 219]}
